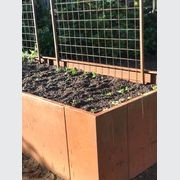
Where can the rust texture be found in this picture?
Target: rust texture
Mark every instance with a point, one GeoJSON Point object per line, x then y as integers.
{"type": "Point", "coordinates": [112, 144]}
{"type": "Point", "coordinates": [44, 136]}
{"type": "Point", "coordinates": [82, 143]}
{"type": "Point", "coordinates": [118, 143]}
{"type": "Point", "coordinates": [142, 134]}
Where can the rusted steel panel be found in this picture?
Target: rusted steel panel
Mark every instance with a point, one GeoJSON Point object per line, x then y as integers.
{"type": "Point", "coordinates": [142, 134]}
{"type": "Point", "coordinates": [44, 135]}
{"type": "Point", "coordinates": [112, 144]}
{"type": "Point", "coordinates": [137, 138]}
{"type": "Point", "coordinates": [150, 116]}
{"type": "Point", "coordinates": [118, 143]}
{"type": "Point", "coordinates": [82, 144]}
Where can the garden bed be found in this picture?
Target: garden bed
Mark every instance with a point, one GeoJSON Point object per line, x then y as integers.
{"type": "Point", "coordinates": [107, 143]}
{"type": "Point", "coordinates": [89, 91]}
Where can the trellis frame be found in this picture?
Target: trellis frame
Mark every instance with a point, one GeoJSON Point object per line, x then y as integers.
{"type": "Point", "coordinates": [34, 27]}
{"type": "Point", "coordinates": [140, 38]}
{"type": "Point", "coordinates": [62, 61]}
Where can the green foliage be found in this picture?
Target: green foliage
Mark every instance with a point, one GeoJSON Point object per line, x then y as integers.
{"type": "Point", "coordinates": [109, 94]}
{"type": "Point", "coordinates": [29, 56]}
{"type": "Point", "coordinates": [90, 99]}
{"type": "Point", "coordinates": [114, 103]}
{"type": "Point", "coordinates": [25, 55]}
{"type": "Point", "coordinates": [59, 69]}
{"type": "Point", "coordinates": [94, 75]}
{"type": "Point", "coordinates": [154, 87]}
{"type": "Point", "coordinates": [33, 54]}
{"type": "Point", "coordinates": [123, 90]}
{"type": "Point", "coordinates": [72, 71]}
{"type": "Point", "coordinates": [93, 110]}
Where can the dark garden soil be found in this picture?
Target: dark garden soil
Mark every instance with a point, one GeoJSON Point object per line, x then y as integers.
{"type": "Point", "coordinates": [88, 91]}
{"type": "Point", "coordinates": [31, 170]}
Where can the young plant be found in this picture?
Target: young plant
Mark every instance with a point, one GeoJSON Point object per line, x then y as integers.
{"type": "Point", "coordinates": [94, 75]}
{"type": "Point", "coordinates": [114, 103]}
{"type": "Point", "coordinates": [72, 71]}
{"type": "Point", "coordinates": [29, 56]}
{"type": "Point", "coordinates": [123, 90]}
{"type": "Point", "coordinates": [154, 87]}
{"type": "Point", "coordinates": [90, 99]}
{"type": "Point", "coordinates": [25, 56]}
{"type": "Point", "coordinates": [109, 94]}
{"type": "Point", "coordinates": [33, 54]}
{"type": "Point", "coordinates": [59, 69]}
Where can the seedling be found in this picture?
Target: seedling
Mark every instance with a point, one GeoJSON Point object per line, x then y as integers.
{"type": "Point", "coordinates": [90, 99]}
{"type": "Point", "coordinates": [33, 54]}
{"type": "Point", "coordinates": [122, 100]}
{"type": "Point", "coordinates": [25, 56]}
{"type": "Point", "coordinates": [114, 103]}
{"type": "Point", "coordinates": [93, 110]}
{"type": "Point", "coordinates": [154, 87]}
{"type": "Point", "coordinates": [72, 71]}
{"type": "Point", "coordinates": [73, 102]}
{"type": "Point", "coordinates": [29, 56]}
{"type": "Point", "coordinates": [123, 90]}
{"type": "Point", "coordinates": [129, 97]}
{"type": "Point", "coordinates": [59, 69]}
{"type": "Point", "coordinates": [109, 94]}
{"type": "Point", "coordinates": [94, 75]}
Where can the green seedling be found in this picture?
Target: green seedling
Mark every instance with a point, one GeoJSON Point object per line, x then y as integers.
{"type": "Point", "coordinates": [109, 94]}
{"type": "Point", "coordinates": [123, 90]}
{"type": "Point", "coordinates": [59, 69]}
{"type": "Point", "coordinates": [25, 56]}
{"type": "Point", "coordinates": [154, 87]}
{"type": "Point", "coordinates": [33, 54]}
{"type": "Point", "coordinates": [90, 99]}
{"type": "Point", "coordinates": [129, 97]}
{"type": "Point", "coordinates": [74, 101]}
{"type": "Point", "coordinates": [114, 103]}
{"type": "Point", "coordinates": [94, 75]}
{"type": "Point", "coordinates": [93, 110]}
{"type": "Point", "coordinates": [29, 56]}
{"type": "Point", "coordinates": [72, 71]}
{"type": "Point", "coordinates": [122, 100]}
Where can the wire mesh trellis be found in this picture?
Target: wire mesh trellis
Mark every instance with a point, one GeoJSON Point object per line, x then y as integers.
{"type": "Point", "coordinates": [100, 31]}
{"type": "Point", "coordinates": [29, 32]}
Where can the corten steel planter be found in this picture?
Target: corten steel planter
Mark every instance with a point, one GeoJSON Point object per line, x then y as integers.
{"type": "Point", "coordinates": [116, 144]}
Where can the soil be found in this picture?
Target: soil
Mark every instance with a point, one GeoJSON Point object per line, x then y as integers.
{"type": "Point", "coordinates": [32, 170]}
{"type": "Point", "coordinates": [88, 91]}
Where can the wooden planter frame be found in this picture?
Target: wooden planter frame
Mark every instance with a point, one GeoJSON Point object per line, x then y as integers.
{"type": "Point", "coordinates": [116, 144]}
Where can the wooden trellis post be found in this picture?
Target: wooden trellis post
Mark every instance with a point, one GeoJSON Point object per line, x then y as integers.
{"type": "Point", "coordinates": [54, 32]}
{"type": "Point", "coordinates": [141, 20]}
{"type": "Point", "coordinates": [35, 27]}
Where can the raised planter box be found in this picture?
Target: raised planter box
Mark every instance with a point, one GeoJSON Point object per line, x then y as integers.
{"type": "Point", "coordinates": [116, 144]}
